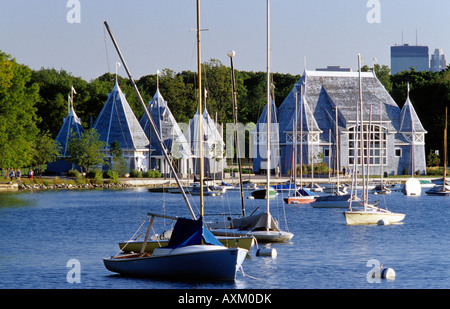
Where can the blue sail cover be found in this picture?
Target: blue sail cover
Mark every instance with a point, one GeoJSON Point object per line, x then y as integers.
{"type": "Point", "coordinates": [303, 192]}
{"type": "Point", "coordinates": [187, 232]}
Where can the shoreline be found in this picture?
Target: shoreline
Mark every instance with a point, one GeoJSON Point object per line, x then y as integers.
{"type": "Point", "coordinates": [48, 182]}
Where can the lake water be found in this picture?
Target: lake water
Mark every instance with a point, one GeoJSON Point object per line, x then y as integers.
{"type": "Point", "coordinates": [41, 231]}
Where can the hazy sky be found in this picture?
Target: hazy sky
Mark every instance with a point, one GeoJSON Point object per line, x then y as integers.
{"type": "Point", "coordinates": [157, 34]}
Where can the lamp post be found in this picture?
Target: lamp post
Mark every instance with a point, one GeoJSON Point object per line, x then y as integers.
{"type": "Point", "coordinates": [231, 54]}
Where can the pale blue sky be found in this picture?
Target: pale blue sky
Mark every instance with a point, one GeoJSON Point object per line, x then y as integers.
{"type": "Point", "coordinates": [156, 34]}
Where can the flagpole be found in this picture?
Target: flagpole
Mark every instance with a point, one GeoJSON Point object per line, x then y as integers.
{"type": "Point", "coordinates": [157, 78]}
{"type": "Point", "coordinates": [117, 65]}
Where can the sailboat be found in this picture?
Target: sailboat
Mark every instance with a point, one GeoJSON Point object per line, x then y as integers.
{"type": "Point", "coordinates": [370, 213]}
{"type": "Point", "coordinates": [193, 252]}
{"type": "Point", "coordinates": [162, 239]}
{"type": "Point", "coordinates": [444, 189]}
{"type": "Point", "coordinates": [264, 193]}
{"type": "Point", "coordinates": [301, 195]}
{"type": "Point", "coordinates": [262, 226]}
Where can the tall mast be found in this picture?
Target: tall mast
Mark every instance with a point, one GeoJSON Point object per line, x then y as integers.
{"type": "Point", "coordinates": [294, 141]}
{"type": "Point", "coordinates": [445, 152]}
{"type": "Point", "coordinates": [336, 141]}
{"type": "Point", "coordinates": [361, 121]}
{"type": "Point", "coordinates": [268, 111]}
{"type": "Point", "coordinates": [200, 109]}
{"type": "Point", "coordinates": [302, 89]}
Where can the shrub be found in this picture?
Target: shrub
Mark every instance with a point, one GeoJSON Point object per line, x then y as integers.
{"type": "Point", "coordinates": [57, 181]}
{"type": "Point", "coordinates": [435, 171]}
{"type": "Point", "coordinates": [113, 176]}
{"type": "Point", "coordinates": [73, 173]}
{"type": "Point", "coordinates": [136, 174]}
{"type": "Point", "coordinates": [95, 176]}
{"type": "Point", "coordinates": [152, 174]}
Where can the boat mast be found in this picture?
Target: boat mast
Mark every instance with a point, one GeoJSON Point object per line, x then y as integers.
{"type": "Point", "coordinates": [445, 152]}
{"type": "Point", "coordinates": [200, 115]}
{"type": "Point", "coordinates": [380, 145]}
{"type": "Point", "coordinates": [301, 134]}
{"type": "Point", "coordinates": [268, 114]}
{"type": "Point", "coordinates": [364, 197]}
{"type": "Point", "coordinates": [294, 141]}
{"type": "Point", "coordinates": [336, 142]}
{"type": "Point", "coordinates": [147, 113]}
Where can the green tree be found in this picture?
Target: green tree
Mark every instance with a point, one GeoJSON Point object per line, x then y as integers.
{"type": "Point", "coordinates": [175, 89]}
{"type": "Point", "coordinates": [85, 151]}
{"type": "Point", "coordinates": [217, 82]}
{"type": "Point", "coordinates": [433, 159]}
{"type": "Point", "coordinates": [382, 73]}
{"type": "Point", "coordinates": [46, 150]}
{"type": "Point", "coordinates": [54, 88]}
{"type": "Point", "coordinates": [18, 117]}
{"type": "Point", "coordinates": [118, 162]}
{"type": "Point", "coordinates": [255, 101]}
{"type": "Point", "coordinates": [283, 85]}
{"type": "Point", "coordinates": [429, 94]}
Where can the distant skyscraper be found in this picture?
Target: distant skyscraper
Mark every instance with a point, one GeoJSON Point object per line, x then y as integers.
{"type": "Point", "coordinates": [405, 57]}
{"type": "Point", "coordinates": [438, 62]}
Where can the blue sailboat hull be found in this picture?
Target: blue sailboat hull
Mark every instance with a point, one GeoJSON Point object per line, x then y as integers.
{"type": "Point", "coordinates": [199, 263]}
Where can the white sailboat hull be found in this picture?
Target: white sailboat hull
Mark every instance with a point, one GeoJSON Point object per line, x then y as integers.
{"type": "Point", "coordinates": [261, 236]}
{"type": "Point", "coordinates": [300, 199]}
{"type": "Point", "coordinates": [197, 262]}
{"type": "Point", "coordinates": [334, 201]}
{"type": "Point", "coordinates": [336, 204]}
{"type": "Point", "coordinates": [356, 217]}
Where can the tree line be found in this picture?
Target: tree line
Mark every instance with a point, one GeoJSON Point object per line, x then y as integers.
{"type": "Point", "coordinates": [33, 103]}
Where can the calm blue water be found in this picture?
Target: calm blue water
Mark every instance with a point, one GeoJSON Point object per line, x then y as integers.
{"type": "Point", "coordinates": [41, 231]}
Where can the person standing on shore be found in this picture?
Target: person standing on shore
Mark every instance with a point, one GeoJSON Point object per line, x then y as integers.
{"type": "Point", "coordinates": [11, 174]}
{"type": "Point", "coordinates": [30, 173]}
{"type": "Point", "coordinates": [18, 174]}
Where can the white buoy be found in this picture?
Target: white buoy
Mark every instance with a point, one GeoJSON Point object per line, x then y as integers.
{"type": "Point", "coordinates": [267, 252]}
{"type": "Point", "coordinates": [384, 273]}
{"type": "Point", "coordinates": [387, 273]}
{"type": "Point", "coordinates": [412, 187]}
